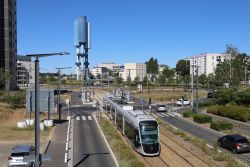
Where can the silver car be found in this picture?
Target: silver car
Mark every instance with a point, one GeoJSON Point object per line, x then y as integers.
{"type": "Point", "coordinates": [17, 155]}
{"type": "Point", "coordinates": [159, 107]}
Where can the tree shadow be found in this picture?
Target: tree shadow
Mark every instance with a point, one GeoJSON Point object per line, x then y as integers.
{"type": "Point", "coordinates": [87, 156]}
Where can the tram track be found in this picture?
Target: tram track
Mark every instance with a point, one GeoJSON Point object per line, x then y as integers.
{"type": "Point", "coordinates": [184, 157]}
{"type": "Point", "coordinates": [168, 152]}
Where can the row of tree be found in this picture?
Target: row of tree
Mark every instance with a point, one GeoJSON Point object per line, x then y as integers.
{"type": "Point", "coordinates": [232, 70]}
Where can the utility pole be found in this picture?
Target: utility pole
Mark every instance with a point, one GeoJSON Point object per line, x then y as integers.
{"type": "Point", "coordinates": [59, 106]}
{"type": "Point", "coordinates": [192, 88]}
{"type": "Point", "coordinates": [197, 82]}
{"type": "Point", "coordinates": [37, 104]}
{"type": "Point", "coordinates": [129, 77]}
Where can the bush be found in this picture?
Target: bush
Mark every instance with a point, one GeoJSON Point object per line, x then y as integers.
{"type": "Point", "coordinates": [234, 112]}
{"type": "Point", "coordinates": [16, 100]}
{"type": "Point", "coordinates": [187, 114]}
{"type": "Point", "coordinates": [213, 109]}
{"type": "Point", "coordinates": [201, 118]}
{"type": "Point", "coordinates": [221, 125]}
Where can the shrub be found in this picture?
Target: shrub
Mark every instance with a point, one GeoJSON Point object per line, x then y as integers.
{"type": "Point", "coordinates": [201, 118]}
{"type": "Point", "coordinates": [234, 112]}
{"type": "Point", "coordinates": [213, 109]}
{"type": "Point", "coordinates": [187, 114]}
{"type": "Point", "coordinates": [221, 125]}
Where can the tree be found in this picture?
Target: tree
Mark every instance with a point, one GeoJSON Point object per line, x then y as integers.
{"type": "Point", "coordinates": [169, 73]}
{"type": "Point", "coordinates": [152, 66]}
{"type": "Point", "coordinates": [162, 79]}
{"type": "Point", "coordinates": [203, 79]}
{"type": "Point", "coordinates": [211, 79]}
{"type": "Point", "coordinates": [98, 76]}
{"type": "Point", "coordinates": [183, 67]}
{"type": "Point", "coordinates": [3, 76]}
{"type": "Point", "coordinates": [136, 79]}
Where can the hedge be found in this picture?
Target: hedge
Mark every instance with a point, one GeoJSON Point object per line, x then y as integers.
{"type": "Point", "coordinates": [234, 112]}
{"type": "Point", "coordinates": [201, 118]}
{"type": "Point", "coordinates": [231, 111]}
{"type": "Point", "coordinates": [221, 125]}
{"type": "Point", "coordinates": [187, 114]}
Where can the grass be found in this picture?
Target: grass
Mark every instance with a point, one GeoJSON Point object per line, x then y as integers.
{"type": "Point", "coordinates": [217, 156]}
{"type": "Point", "coordinates": [167, 96]}
{"type": "Point", "coordinates": [8, 125]}
{"type": "Point", "coordinates": [122, 150]}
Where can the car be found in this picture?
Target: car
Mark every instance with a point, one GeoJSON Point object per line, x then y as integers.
{"type": "Point", "coordinates": [182, 101]}
{"type": "Point", "coordinates": [235, 142]}
{"type": "Point", "coordinates": [210, 95]}
{"type": "Point", "coordinates": [159, 107]}
{"type": "Point", "coordinates": [17, 155]}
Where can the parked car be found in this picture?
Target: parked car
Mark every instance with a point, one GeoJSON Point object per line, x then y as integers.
{"type": "Point", "coordinates": [17, 155]}
{"type": "Point", "coordinates": [210, 95]}
{"type": "Point", "coordinates": [235, 142]}
{"type": "Point", "coordinates": [159, 107]}
{"type": "Point", "coordinates": [182, 101]}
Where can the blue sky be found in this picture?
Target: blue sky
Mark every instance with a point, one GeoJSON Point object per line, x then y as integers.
{"type": "Point", "coordinates": [132, 30]}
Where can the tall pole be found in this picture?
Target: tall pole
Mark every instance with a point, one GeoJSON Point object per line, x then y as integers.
{"type": "Point", "coordinates": [86, 63]}
{"type": "Point", "coordinates": [30, 103]}
{"type": "Point", "coordinates": [59, 93]}
{"type": "Point", "coordinates": [129, 78]}
{"type": "Point", "coordinates": [192, 88]}
{"type": "Point", "coordinates": [37, 116]}
{"type": "Point", "coordinates": [196, 110]}
{"type": "Point", "coordinates": [49, 105]}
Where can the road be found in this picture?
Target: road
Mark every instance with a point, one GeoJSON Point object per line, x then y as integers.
{"type": "Point", "coordinates": [89, 148]}
{"type": "Point", "coordinates": [208, 135]}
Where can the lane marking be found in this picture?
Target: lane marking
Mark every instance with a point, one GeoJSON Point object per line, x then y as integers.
{"type": "Point", "coordinates": [171, 114]}
{"type": "Point", "coordinates": [165, 115]}
{"type": "Point", "coordinates": [84, 118]}
{"type": "Point", "coordinates": [89, 118]}
{"type": "Point", "coordinates": [177, 114]}
{"type": "Point", "coordinates": [66, 158]}
{"type": "Point", "coordinates": [159, 115]}
{"type": "Point", "coordinates": [154, 115]}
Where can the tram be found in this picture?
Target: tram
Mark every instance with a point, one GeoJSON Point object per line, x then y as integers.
{"type": "Point", "coordinates": [141, 129]}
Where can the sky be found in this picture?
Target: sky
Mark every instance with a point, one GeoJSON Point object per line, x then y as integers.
{"type": "Point", "coordinates": [124, 31]}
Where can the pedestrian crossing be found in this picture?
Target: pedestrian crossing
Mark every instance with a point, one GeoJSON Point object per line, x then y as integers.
{"type": "Point", "coordinates": [83, 118]}
{"type": "Point", "coordinates": [168, 114]}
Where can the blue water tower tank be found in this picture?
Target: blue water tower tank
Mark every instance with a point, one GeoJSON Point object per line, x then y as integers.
{"type": "Point", "coordinates": [80, 29]}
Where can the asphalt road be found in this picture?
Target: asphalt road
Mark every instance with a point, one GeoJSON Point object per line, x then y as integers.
{"type": "Point", "coordinates": [89, 148]}
{"type": "Point", "coordinates": [208, 135]}
{"type": "Point", "coordinates": [57, 146]}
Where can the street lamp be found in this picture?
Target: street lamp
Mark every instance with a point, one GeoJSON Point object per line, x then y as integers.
{"type": "Point", "coordinates": [59, 90]}
{"type": "Point", "coordinates": [37, 107]}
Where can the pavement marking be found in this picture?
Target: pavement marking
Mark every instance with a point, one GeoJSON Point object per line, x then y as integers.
{"type": "Point", "coordinates": [154, 115]}
{"type": "Point", "coordinates": [77, 118]}
{"type": "Point", "coordinates": [171, 114]}
{"type": "Point", "coordinates": [177, 114]}
{"type": "Point", "coordinates": [89, 118]}
{"type": "Point", "coordinates": [159, 115]}
{"type": "Point", "coordinates": [210, 146]}
{"type": "Point", "coordinates": [84, 118]}
{"type": "Point", "coordinates": [165, 114]}
{"type": "Point", "coordinates": [173, 127]}
{"type": "Point", "coordinates": [66, 158]}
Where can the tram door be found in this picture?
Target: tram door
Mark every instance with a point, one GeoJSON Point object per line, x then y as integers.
{"type": "Point", "coordinates": [137, 138]}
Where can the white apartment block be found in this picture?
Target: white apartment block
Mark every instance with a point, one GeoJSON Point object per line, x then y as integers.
{"type": "Point", "coordinates": [25, 71]}
{"type": "Point", "coordinates": [111, 66]}
{"type": "Point", "coordinates": [134, 70]}
{"type": "Point", "coordinates": [207, 62]}
{"type": "Point", "coordinates": [96, 71]}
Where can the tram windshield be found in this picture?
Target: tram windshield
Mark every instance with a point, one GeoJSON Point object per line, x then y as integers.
{"type": "Point", "coordinates": [149, 132]}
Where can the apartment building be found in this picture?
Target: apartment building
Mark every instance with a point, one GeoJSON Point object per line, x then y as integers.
{"type": "Point", "coordinates": [8, 42]}
{"type": "Point", "coordinates": [25, 71]}
{"type": "Point", "coordinates": [113, 67]}
{"type": "Point", "coordinates": [134, 70]}
{"type": "Point", "coordinates": [207, 62]}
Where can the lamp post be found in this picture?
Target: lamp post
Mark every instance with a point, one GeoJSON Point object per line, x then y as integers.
{"type": "Point", "coordinates": [37, 107]}
{"type": "Point", "coordinates": [59, 90]}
